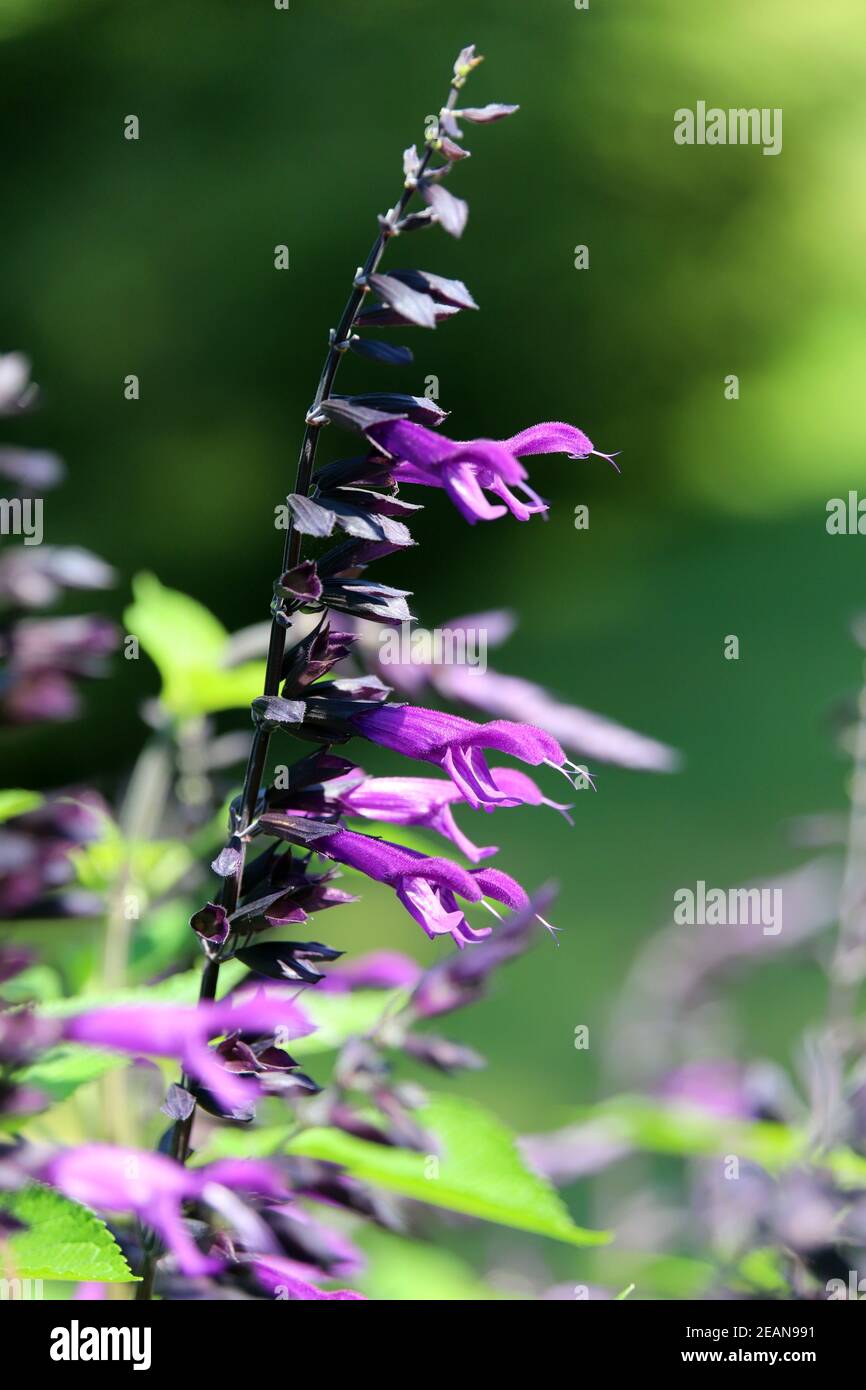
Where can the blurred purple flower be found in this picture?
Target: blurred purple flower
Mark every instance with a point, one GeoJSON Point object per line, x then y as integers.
{"type": "Point", "coordinates": [153, 1187]}
{"type": "Point", "coordinates": [166, 1030]}
{"type": "Point", "coordinates": [376, 970]}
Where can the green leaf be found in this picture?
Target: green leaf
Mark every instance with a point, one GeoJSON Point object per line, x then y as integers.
{"type": "Point", "coordinates": [187, 644]}
{"type": "Point", "coordinates": [60, 1071]}
{"type": "Point", "coordinates": [63, 1241]}
{"type": "Point", "coordinates": [36, 982]}
{"type": "Point", "coordinates": [478, 1171]}
{"type": "Point", "coordinates": [242, 1143]}
{"type": "Point", "coordinates": [16, 802]}
{"type": "Point", "coordinates": [149, 867]}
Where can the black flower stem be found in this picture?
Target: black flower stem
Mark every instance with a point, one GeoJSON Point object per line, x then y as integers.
{"type": "Point", "coordinates": [231, 890]}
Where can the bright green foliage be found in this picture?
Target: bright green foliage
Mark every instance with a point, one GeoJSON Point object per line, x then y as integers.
{"type": "Point", "coordinates": [477, 1171]}
{"type": "Point", "coordinates": [63, 1241]}
{"type": "Point", "coordinates": [16, 802]}
{"type": "Point", "coordinates": [187, 644]}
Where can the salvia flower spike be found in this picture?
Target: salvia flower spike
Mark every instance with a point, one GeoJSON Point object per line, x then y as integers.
{"type": "Point", "coordinates": [311, 816]}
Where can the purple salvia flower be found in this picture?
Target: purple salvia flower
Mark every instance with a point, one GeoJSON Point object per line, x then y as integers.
{"type": "Point", "coordinates": [455, 744]}
{"type": "Point", "coordinates": [467, 469]}
{"type": "Point", "coordinates": [376, 970]}
{"type": "Point", "coordinates": [427, 887]}
{"type": "Point", "coordinates": [184, 1033]}
{"type": "Point", "coordinates": [153, 1188]}
{"type": "Point", "coordinates": [427, 801]}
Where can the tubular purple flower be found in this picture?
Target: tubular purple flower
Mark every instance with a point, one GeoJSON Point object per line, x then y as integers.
{"type": "Point", "coordinates": [153, 1187]}
{"type": "Point", "coordinates": [455, 744]}
{"type": "Point", "coordinates": [427, 801]}
{"type": "Point", "coordinates": [468, 468]}
{"type": "Point", "coordinates": [555, 437]}
{"type": "Point", "coordinates": [426, 886]}
{"type": "Point", "coordinates": [376, 970]}
{"type": "Point", "coordinates": [169, 1031]}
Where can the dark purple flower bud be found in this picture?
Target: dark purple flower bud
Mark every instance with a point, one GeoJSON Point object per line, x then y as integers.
{"type": "Point", "coordinates": [40, 698]}
{"type": "Point", "coordinates": [313, 657]}
{"type": "Point", "coordinates": [452, 213]}
{"type": "Point", "coordinates": [443, 290]}
{"type": "Point", "coordinates": [211, 926]}
{"type": "Point", "coordinates": [364, 469]}
{"type": "Point", "coordinates": [364, 598]}
{"type": "Point", "coordinates": [411, 305]}
{"type": "Point", "coordinates": [274, 909]}
{"type": "Point", "coordinates": [338, 509]}
{"type": "Point", "coordinates": [396, 404]}
{"type": "Point", "coordinates": [301, 583]}
{"type": "Point", "coordinates": [381, 352]}
{"type": "Point", "coordinates": [361, 1066]}
{"type": "Point", "coordinates": [352, 413]}
{"type": "Point", "coordinates": [271, 712]}
{"type": "Point", "coordinates": [355, 555]}
{"type": "Point", "coordinates": [378, 316]}
{"type": "Point", "coordinates": [286, 960]}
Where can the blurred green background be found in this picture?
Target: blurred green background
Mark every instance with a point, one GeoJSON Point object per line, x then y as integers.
{"type": "Point", "coordinates": [260, 127]}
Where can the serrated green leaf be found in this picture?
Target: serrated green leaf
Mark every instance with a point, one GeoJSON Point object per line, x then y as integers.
{"type": "Point", "coordinates": [478, 1172]}
{"type": "Point", "coordinates": [187, 644]}
{"type": "Point", "coordinates": [64, 1240]}
{"type": "Point", "coordinates": [17, 802]}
